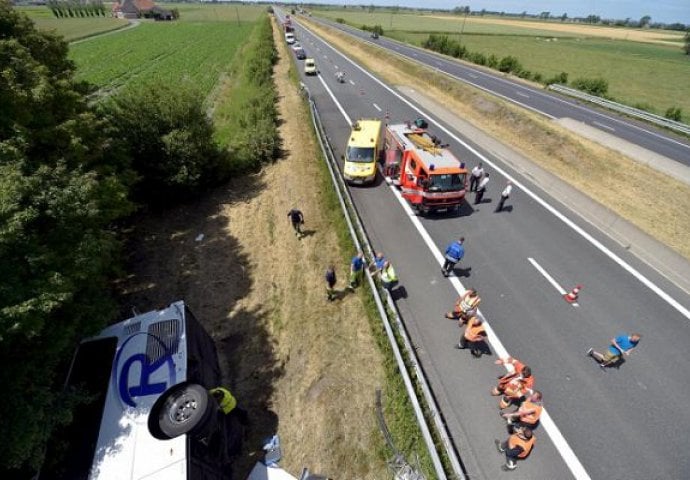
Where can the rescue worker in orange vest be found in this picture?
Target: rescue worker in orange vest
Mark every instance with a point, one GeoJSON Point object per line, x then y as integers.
{"type": "Point", "coordinates": [466, 306]}
{"type": "Point", "coordinates": [517, 389]}
{"type": "Point", "coordinates": [528, 414]}
{"type": "Point", "coordinates": [473, 336]}
{"type": "Point", "coordinates": [518, 446]}
{"type": "Point", "coordinates": [519, 370]}
{"type": "Point", "coordinates": [224, 398]}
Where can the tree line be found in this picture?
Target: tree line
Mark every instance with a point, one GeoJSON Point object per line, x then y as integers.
{"type": "Point", "coordinates": [76, 8]}
{"type": "Point", "coordinates": [71, 176]}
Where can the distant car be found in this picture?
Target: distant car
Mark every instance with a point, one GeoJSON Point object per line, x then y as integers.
{"type": "Point", "coordinates": [290, 38]}
{"type": "Point", "coordinates": [296, 46]}
{"type": "Point", "coordinates": [310, 67]}
{"type": "Point", "coordinates": [300, 54]}
{"type": "Point", "coordinates": [374, 35]}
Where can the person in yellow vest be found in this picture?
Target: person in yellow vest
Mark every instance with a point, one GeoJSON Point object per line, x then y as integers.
{"type": "Point", "coordinates": [224, 398]}
{"type": "Point", "coordinates": [473, 337]}
{"type": "Point", "coordinates": [388, 277]}
{"type": "Point", "coordinates": [466, 306]}
{"type": "Point", "coordinates": [518, 446]}
{"type": "Point", "coordinates": [528, 414]}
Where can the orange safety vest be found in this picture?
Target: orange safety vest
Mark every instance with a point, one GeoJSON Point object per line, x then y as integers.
{"type": "Point", "coordinates": [474, 330]}
{"type": "Point", "coordinates": [515, 388]}
{"type": "Point", "coordinates": [527, 445]}
{"type": "Point", "coordinates": [531, 418]}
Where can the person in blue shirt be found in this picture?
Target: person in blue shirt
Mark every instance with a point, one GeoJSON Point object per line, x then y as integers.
{"type": "Point", "coordinates": [454, 253]}
{"type": "Point", "coordinates": [357, 270]}
{"type": "Point", "coordinates": [620, 346]}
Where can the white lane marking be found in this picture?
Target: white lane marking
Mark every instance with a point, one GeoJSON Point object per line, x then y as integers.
{"type": "Point", "coordinates": [470, 74]}
{"type": "Point", "coordinates": [337, 103]}
{"type": "Point", "coordinates": [551, 280]}
{"type": "Point", "coordinates": [352, 82]}
{"type": "Point", "coordinates": [377, 107]}
{"type": "Point", "coordinates": [596, 243]}
{"type": "Point", "coordinates": [522, 94]}
{"type": "Point", "coordinates": [603, 126]}
{"type": "Point", "coordinates": [336, 67]}
{"type": "Point", "coordinates": [547, 422]}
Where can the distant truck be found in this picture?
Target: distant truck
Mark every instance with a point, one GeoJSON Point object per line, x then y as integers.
{"type": "Point", "coordinates": [430, 177]}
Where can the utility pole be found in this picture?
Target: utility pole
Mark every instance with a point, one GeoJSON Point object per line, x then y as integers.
{"type": "Point", "coordinates": [462, 29]}
{"type": "Point", "coordinates": [237, 12]}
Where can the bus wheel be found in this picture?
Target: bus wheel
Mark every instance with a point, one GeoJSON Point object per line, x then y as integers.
{"type": "Point", "coordinates": [184, 408]}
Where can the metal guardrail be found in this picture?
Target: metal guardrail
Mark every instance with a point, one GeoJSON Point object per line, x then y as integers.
{"type": "Point", "coordinates": [634, 112]}
{"type": "Point", "coordinates": [362, 242]}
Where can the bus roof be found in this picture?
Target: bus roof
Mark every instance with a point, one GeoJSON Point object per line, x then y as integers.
{"type": "Point", "coordinates": [365, 133]}
{"type": "Point", "coordinates": [441, 158]}
{"type": "Point", "coordinates": [151, 356]}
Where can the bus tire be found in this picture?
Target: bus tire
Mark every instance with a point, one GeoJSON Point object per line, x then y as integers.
{"type": "Point", "coordinates": [183, 408]}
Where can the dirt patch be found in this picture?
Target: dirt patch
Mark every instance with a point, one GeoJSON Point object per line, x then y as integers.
{"type": "Point", "coordinates": [646, 35]}
{"type": "Point", "coordinates": [654, 202]}
{"type": "Point", "coordinates": [301, 366]}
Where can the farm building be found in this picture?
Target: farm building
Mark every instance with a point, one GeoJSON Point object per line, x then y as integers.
{"type": "Point", "coordinates": [140, 8]}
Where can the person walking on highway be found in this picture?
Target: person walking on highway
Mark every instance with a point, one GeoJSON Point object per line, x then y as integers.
{"type": "Point", "coordinates": [330, 283]}
{"type": "Point", "coordinates": [454, 253]}
{"type": "Point", "coordinates": [518, 446]}
{"type": "Point", "coordinates": [528, 414]}
{"type": "Point", "coordinates": [473, 336]}
{"type": "Point", "coordinates": [297, 220]}
{"type": "Point", "coordinates": [504, 196]}
{"type": "Point", "coordinates": [481, 189]}
{"type": "Point", "coordinates": [476, 176]}
{"type": "Point", "coordinates": [357, 270]}
{"type": "Point", "coordinates": [622, 345]}
{"type": "Point", "coordinates": [466, 306]}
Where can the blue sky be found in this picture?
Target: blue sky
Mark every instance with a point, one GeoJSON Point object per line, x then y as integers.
{"type": "Point", "coordinates": [667, 11]}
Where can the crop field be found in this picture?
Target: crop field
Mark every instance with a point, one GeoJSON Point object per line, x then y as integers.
{"type": "Point", "coordinates": [170, 52]}
{"type": "Point", "coordinates": [71, 28]}
{"type": "Point", "coordinates": [216, 12]}
{"type": "Point", "coordinates": [650, 75]}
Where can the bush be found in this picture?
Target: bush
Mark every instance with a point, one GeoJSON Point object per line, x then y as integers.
{"type": "Point", "coordinates": [674, 113]}
{"type": "Point", "coordinates": [537, 77]}
{"type": "Point", "coordinates": [644, 106]}
{"type": "Point", "coordinates": [509, 64]}
{"type": "Point", "coordinates": [593, 86]}
{"type": "Point", "coordinates": [524, 74]}
{"type": "Point", "coordinates": [561, 79]}
{"type": "Point", "coordinates": [492, 61]}
{"type": "Point", "coordinates": [478, 58]}
{"type": "Point", "coordinates": [340, 20]}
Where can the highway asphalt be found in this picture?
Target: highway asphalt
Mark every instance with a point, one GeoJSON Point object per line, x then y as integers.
{"type": "Point", "coordinates": [539, 100]}
{"type": "Point", "coordinates": [628, 423]}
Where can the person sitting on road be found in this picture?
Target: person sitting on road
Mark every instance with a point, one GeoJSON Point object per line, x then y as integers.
{"type": "Point", "coordinates": [466, 306]}
{"type": "Point", "coordinates": [517, 389]}
{"type": "Point", "coordinates": [473, 336]}
{"type": "Point", "coordinates": [620, 345]}
{"type": "Point", "coordinates": [518, 368]}
{"type": "Point", "coordinates": [528, 414]}
{"type": "Point", "coordinates": [518, 446]}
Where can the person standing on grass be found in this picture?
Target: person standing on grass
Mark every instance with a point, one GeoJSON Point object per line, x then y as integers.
{"type": "Point", "coordinates": [357, 270]}
{"type": "Point", "coordinates": [476, 176]}
{"type": "Point", "coordinates": [504, 196]}
{"type": "Point", "coordinates": [330, 283]}
{"type": "Point", "coordinates": [620, 346]}
{"type": "Point", "coordinates": [297, 220]}
{"type": "Point", "coordinates": [481, 189]}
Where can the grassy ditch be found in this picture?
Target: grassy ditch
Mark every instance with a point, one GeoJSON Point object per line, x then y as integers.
{"type": "Point", "coordinates": [398, 410]}
{"type": "Point", "coordinates": [654, 202]}
{"type": "Point", "coordinates": [245, 111]}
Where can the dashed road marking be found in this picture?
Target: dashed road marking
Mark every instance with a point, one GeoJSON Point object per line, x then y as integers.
{"type": "Point", "coordinates": [522, 94]}
{"type": "Point", "coordinates": [551, 280]}
{"type": "Point", "coordinates": [376, 107]}
{"type": "Point", "coordinates": [604, 126]}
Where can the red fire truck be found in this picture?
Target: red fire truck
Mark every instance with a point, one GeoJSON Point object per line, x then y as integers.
{"type": "Point", "coordinates": [430, 177]}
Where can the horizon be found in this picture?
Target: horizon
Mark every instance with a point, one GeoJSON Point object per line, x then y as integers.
{"type": "Point", "coordinates": [662, 11]}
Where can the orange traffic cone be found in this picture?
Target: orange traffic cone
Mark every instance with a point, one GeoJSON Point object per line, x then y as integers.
{"type": "Point", "coordinates": [572, 296]}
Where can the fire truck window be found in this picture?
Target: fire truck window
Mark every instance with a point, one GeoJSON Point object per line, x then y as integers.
{"type": "Point", "coordinates": [413, 165]}
{"type": "Point", "coordinates": [447, 183]}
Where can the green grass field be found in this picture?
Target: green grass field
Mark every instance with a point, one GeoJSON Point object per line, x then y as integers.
{"type": "Point", "coordinates": [168, 52]}
{"type": "Point", "coordinates": [71, 28]}
{"type": "Point", "coordinates": [639, 74]}
{"type": "Point", "coordinates": [209, 12]}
